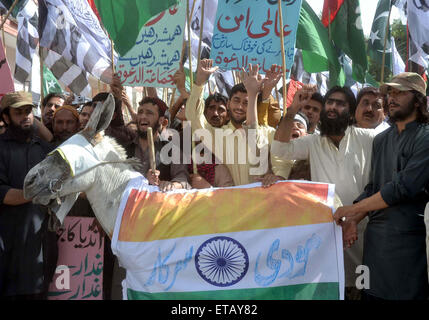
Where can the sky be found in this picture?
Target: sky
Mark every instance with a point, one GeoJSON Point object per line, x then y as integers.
{"type": "Point", "coordinates": [367, 8]}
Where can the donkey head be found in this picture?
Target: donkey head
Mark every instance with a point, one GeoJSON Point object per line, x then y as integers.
{"type": "Point", "coordinates": [57, 181]}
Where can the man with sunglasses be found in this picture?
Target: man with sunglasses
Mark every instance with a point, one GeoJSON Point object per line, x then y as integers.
{"type": "Point", "coordinates": [341, 154]}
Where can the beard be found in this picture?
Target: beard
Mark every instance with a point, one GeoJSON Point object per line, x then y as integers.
{"type": "Point", "coordinates": [402, 113]}
{"type": "Point", "coordinates": [334, 127]}
{"type": "Point", "coordinates": [21, 134]}
{"type": "Point", "coordinates": [143, 134]}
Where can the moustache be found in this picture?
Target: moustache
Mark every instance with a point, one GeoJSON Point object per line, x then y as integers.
{"type": "Point", "coordinates": [393, 104]}
{"type": "Point", "coordinates": [369, 114]}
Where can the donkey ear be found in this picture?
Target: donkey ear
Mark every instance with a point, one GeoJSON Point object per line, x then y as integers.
{"type": "Point", "coordinates": [100, 117]}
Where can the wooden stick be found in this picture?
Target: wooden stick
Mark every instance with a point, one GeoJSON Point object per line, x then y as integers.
{"type": "Point", "coordinates": [8, 13]}
{"type": "Point", "coordinates": [4, 42]}
{"type": "Point", "coordinates": [282, 42]}
{"type": "Point", "coordinates": [41, 78]}
{"type": "Point", "coordinates": [383, 58]}
{"type": "Point", "coordinates": [173, 95]}
{"type": "Point", "coordinates": [112, 55]}
{"type": "Point", "coordinates": [194, 163]}
{"type": "Point", "coordinates": [189, 16]}
{"type": "Point", "coordinates": [201, 31]}
{"type": "Point", "coordinates": [151, 147]}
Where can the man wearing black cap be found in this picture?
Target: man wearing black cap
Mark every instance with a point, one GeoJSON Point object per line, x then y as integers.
{"type": "Point", "coordinates": [396, 195]}
{"type": "Point", "coordinates": [25, 243]}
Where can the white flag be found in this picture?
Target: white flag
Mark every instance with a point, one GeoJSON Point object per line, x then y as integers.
{"type": "Point", "coordinates": [398, 64]}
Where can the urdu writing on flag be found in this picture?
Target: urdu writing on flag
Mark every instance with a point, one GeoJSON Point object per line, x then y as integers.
{"type": "Point", "coordinates": [200, 244]}
{"type": "Point", "coordinates": [248, 33]}
{"type": "Point", "coordinates": [124, 19]}
{"type": "Point", "coordinates": [155, 57]}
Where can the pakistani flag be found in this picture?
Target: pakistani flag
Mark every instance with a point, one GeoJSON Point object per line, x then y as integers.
{"type": "Point", "coordinates": [318, 52]}
{"type": "Point", "coordinates": [342, 18]}
{"type": "Point", "coordinates": [378, 34]}
{"type": "Point", "coordinates": [124, 19]}
{"type": "Point", "coordinates": [245, 242]}
{"type": "Point", "coordinates": [50, 83]}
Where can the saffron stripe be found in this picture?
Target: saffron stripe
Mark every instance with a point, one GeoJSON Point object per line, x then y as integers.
{"type": "Point", "coordinates": [156, 216]}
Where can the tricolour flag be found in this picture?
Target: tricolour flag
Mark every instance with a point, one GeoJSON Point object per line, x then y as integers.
{"type": "Point", "coordinates": [124, 19]}
{"type": "Point", "coordinates": [343, 20]}
{"type": "Point", "coordinates": [244, 242]}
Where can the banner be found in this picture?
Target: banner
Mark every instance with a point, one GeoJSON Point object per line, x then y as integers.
{"type": "Point", "coordinates": [6, 84]}
{"type": "Point", "coordinates": [155, 57]}
{"type": "Point", "coordinates": [79, 273]}
{"type": "Point", "coordinates": [248, 32]}
{"type": "Point", "coordinates": [244, 242]}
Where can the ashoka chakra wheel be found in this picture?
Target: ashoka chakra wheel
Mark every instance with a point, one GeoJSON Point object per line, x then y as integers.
{"type": "Point", "coordinates": [221, 261]}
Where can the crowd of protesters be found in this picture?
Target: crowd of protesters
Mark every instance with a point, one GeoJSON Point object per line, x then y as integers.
{"type": "Point", "coordinates": [373, 147]}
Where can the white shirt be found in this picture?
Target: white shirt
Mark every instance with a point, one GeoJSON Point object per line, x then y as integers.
{"type": "Point", "coordinates": [348, 167]}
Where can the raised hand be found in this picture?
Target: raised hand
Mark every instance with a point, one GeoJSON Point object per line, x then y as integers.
{"type": "Point", "coordinates": [179, 79]}
{"type": "Point", "coordinates": [252, 80]}
{"type": "Point", "coordinates": [116, 86]}
{"type": "Point", "coordinates": [271, 79]}
{"type": "Point", "coordinates": [302, 97]}
{"type": "Point", "coordinates": [204, 70]}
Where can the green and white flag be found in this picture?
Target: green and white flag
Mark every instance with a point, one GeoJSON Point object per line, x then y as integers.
{"type": "Point", "coordinates": [342, 18]}
{"type": "Point", "coordinates": [50, 83]}
{"type": "Point", "coordinates": [378, 34]}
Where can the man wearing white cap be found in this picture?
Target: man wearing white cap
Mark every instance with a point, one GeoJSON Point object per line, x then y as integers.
{"type": "Point", "coordinates": [396, 196]}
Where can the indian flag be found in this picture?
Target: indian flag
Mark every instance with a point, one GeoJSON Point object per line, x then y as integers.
{"type": "Point", "coordinates": [244, 242]}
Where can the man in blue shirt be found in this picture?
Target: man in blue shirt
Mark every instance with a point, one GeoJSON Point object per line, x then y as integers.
{"type": "Point", "coordinates": [395, 197]}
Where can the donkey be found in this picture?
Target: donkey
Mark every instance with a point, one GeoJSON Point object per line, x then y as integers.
{"type": "Point", "coordinates": [57, 181]}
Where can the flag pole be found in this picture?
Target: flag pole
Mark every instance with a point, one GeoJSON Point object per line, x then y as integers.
{"type": "Point", "coordinates": [383, 58]}
{"type": "Point", "coordinates": [4, 40]}
{"type": "Point", "coordinates": [41, 77]}
{"type": "Point", "coordinates": [151, 147]}
{"type": "Point", "coordinates": [194, 164]}
{"type": "Point", "coordinates": [8, 13]}
{"type": "Point", "coordinates": [201, 31]}
{"type": "Point", "coordinates": [112, 55]}
{"type": "Point", "coordinates": [282, 42]}
{"type": "Point", "coordinates": [188, 15]}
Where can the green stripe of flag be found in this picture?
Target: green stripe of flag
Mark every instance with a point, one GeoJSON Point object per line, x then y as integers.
{"type": "Point", "coordinates": [308, 291]}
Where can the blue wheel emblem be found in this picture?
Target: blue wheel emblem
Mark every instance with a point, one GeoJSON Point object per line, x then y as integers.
{"type": "Point", "coordinates": [221, 261]}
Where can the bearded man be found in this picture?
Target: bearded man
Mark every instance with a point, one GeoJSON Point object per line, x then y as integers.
{"type": "Point", "coordinates": [396, 195]}
{"type": "Point", "coordinates": [341, 154]}
{"type": "Point", "coordinates": [168, 176]}
{"type": "Point", "coordinates": [28, 251]}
